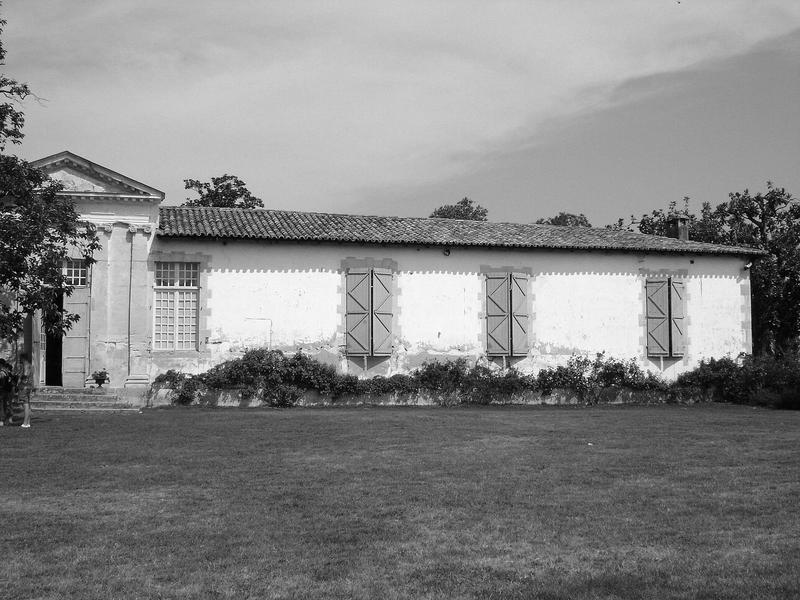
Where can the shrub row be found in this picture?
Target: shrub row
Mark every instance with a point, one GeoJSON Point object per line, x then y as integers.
{"type": "Point", "coordinates": [281, 380]}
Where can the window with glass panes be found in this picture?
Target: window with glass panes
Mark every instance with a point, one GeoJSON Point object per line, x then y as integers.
{"type": "Point", "coordinates": [175, 306]}
{"type": "Point", "coordinates": [75, 271]}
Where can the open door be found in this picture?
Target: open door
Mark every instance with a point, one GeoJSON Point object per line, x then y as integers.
{"type": "Point", "coordinates": [75, 344]}
{"type": "Point", "coordinates": [66, 356]}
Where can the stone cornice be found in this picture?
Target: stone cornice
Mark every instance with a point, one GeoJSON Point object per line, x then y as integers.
{"type": "Point", "coordinates": [145, 228]}
{"type": "Point", "coordinates": [109, 196]}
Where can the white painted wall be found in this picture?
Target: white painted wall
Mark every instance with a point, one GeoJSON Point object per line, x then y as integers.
{"type": "Point", "coordinates": [291, 296]}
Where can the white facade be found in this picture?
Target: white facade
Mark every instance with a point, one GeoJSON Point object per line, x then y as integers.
{"type": "Point", "coordinates": [291, 296]}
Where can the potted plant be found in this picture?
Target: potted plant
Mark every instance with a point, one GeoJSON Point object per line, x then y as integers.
{"type": "Point", "coordinates": [100, 377]}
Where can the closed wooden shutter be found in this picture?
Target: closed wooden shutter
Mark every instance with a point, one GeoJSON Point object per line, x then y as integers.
{"type": "Point", "coordinates": [657, 292]}
{"type": "Point", "coordinates": [519, 314]}
{"type": "Point", "coordinates": [381, 312]}
{"type": "Point", "coordinates": [498, 330]}
{"type": "Point", "coordinates": [677, 321]}
{"type": "Point", "coordinates": [357, 312]}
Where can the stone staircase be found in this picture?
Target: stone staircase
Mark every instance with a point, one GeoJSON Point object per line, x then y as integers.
{"type": "Point", "coordinates": [79, 400]}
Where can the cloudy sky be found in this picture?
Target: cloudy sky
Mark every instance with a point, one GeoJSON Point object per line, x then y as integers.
{"type": "Point", "coordinates": [529, 107]}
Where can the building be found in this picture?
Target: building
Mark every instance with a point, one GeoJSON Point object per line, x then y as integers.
{"type": "Point", "coordinates": [187, 288]}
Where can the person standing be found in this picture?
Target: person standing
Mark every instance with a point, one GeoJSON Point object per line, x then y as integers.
{"type": "Point", "coordinates": [25, 384]}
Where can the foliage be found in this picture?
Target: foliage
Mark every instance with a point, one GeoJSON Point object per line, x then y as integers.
{"type": "Point", "coordinates": [456, 382]}
{"type": "Point", "coordinates": [100, 374]}
{"type": "Point", "coordinates": [169, 379]}
{"type": "Point", "coordinates": [281, 380]}
{"type": "Point", "coordinates": [186, 387]}
{"type": "Point", "coordinates": [263, 369]}
{"type": "Point", "coordinates": [761, 380]}
{"type": "Point", "coordinates": [6, 372]}
{"type": "Point", "coordinates": [573, 375]}
{"type": "Point", "coordinates": [11, 118]}
{"type": "Point", "coordinates": [39, 229]}
{"type": "Point", "coordinates": [396, 384]}
{"type": "Point", "coordinates": [482, 385]}
{"type": "Point", "coordinates": [769, 221]}
{"type": "Point", "coordinates": [442, 377]}
{"type": "Point", "coordinates": [464, 209]}
{"type": "Point", "coordinates": [227, 191]}
{"type": "Point", "coordinates": [585, 376]}
{"type": "Point", "coordinates": [566, 219]}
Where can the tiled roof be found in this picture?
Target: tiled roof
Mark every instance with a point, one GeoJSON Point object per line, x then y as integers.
{"type": "Point", "coordinates": [256, 224]}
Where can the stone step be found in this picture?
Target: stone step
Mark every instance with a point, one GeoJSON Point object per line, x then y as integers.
{"type": "Point", "coordinates": [58, 391]}
{"type": "Point", "coordinates": [84, 409]}
{"type": "Point", "coordinates": [73, 397]}
{"type": "Point", "coordinates": [77, 403]}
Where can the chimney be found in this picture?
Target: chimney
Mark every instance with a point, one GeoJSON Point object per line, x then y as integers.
{"type": "Point", "coordinates": [678, 227]}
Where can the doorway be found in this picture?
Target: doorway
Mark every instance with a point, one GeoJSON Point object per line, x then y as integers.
{"type": "Point", "coordinates": [53, 354]}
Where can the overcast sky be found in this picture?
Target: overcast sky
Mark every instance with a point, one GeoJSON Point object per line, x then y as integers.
{"type": "Point", "coordinates": [528, 107]}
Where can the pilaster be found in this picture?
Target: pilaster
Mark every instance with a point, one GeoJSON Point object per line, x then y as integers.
{"type": "Point", "coordinates": [138, 303]}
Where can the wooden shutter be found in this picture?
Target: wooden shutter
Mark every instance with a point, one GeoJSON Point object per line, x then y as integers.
{"type": "Point", "coordinates": [357, 312]}
{"type": "Point", "coordinates": [498, 330]}
{"type": "Point", "coordinates": [381, 312]}
{"type": "Point", "coordinates": [657, 294]}
{"type": "Point", "coordinates": [677, 321]}
{"type": "Point", "coordinates": [519, 314]}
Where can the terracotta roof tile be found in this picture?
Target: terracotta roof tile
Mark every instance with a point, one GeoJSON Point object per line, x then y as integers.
{"type": "Point", "coordinates": [234, 223]}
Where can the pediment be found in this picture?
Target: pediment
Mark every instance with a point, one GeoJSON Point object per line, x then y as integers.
{"type": "Point", "coordinates": [80, 176]}
{"type": "Point", "coordinates": [74, 180]}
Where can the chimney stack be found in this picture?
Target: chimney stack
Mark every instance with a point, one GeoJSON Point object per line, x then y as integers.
{"type": "Point", "coordinates": [678, 227]}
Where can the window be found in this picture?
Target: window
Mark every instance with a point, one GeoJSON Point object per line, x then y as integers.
{"type": "Point", "coordinates": [368, 307]}
{"type": "Point", "coordinates": [75, 271]}
{"type": "Point", "coordinates": [175, 306]}
{"type": "Point", "coordinates": [665, 317]}
{"type": "Point", "coordinates": [506, 314]}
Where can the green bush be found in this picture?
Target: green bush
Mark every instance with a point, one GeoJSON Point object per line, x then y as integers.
{"type": "Point", "coordinates": [186, 387]}
{"type": "Point", "coordinates": [608, 372]}
{"type": "Point", "coordinates": [281, 381]}
{"type": "Point", "coordinates": [574, 375]}
{"type": "Point", "coordinates": [442, 377]}
{"type": "Point", "coordinates": [282, 396]}
{"type": "Point", "coordinates": [170, 379]}
{"type": "Point", "coordinates": [586, 376]}
{"type": "Point", "coordinates": [760, 380]}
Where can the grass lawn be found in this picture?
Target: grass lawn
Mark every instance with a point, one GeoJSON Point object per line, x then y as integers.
{"type": "Point", "coordinates": [543, 502]}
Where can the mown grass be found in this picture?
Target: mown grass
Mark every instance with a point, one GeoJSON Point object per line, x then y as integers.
{"type": "Point", "coordinates": [603, 502]}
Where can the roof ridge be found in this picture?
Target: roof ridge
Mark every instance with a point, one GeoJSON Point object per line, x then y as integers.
{"type": "Point", "coordinates": [286, 225]}
{"type": "Point", "coordinates": [358, 216]}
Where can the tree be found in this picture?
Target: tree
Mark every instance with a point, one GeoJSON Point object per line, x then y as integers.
{"type": "Point", "coordinates": [11, 118]}
{"type": "Point", "coordinates": [463, 209]}
{"type": "Point", "coordinates": [227, 191]}
{"type": "Point", "coordinates": [39, 230]}
{"type": "Point", "coordinates": [567, 219]}
{"type": "Point", "coordinates": [769, 221]}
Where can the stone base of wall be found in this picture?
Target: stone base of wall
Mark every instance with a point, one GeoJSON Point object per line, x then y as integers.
{"type": "Point", "coordinates": [310, 398]}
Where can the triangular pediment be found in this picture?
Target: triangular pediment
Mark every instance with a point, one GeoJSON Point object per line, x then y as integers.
{"type": "Point", "coordinates": [80, 176]}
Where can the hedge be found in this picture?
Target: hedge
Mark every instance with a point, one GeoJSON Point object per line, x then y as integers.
{"type": "Point", "coordinates": [281, 380]}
